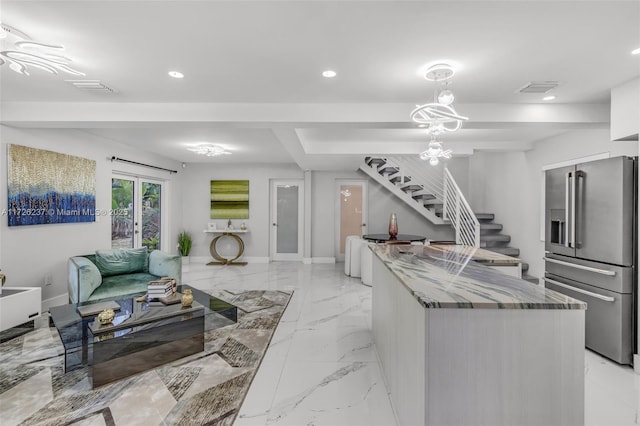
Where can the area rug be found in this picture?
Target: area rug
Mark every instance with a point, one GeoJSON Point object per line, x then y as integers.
{"type": "Point", "coordinates": [202, 389]}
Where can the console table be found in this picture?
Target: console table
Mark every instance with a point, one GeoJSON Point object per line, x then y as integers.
{"type": "Point", "coordinates": [233, 233]}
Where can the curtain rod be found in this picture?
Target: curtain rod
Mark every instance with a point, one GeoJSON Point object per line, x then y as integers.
{"type": "Point", "coordinates": [114, 158]}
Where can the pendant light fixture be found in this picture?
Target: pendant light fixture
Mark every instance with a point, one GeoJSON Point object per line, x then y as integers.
{"type": "Point", "coordinates": [439, 116]}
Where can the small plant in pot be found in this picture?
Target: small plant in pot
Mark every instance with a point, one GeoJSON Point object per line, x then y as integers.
{"type": "Point", "coordinates": [184, 245]}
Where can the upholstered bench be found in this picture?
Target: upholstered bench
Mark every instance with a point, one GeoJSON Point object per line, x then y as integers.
{"type": "Point", "coordinates": [111, 274]}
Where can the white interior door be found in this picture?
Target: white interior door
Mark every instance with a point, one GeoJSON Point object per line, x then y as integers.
{"type": "Point", "coordinates": [351, 212]}
{"type": "Point", "coordinates": [287, 219]}
{"type": "Point", "coordinates": [136, 212]}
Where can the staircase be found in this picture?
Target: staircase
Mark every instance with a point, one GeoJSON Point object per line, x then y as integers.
{"type": "Point", "coordinates": [433, 193]}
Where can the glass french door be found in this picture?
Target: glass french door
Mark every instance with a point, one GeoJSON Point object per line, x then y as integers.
{"type": "Point", "coordinates": [287, 219]}
{"type": "Point", "coordinates": [351, 212]}
{"type": "Point", "coordinates": [136, 216]}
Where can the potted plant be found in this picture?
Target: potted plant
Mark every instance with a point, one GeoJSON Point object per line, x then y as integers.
{"type": "Point", "coordinates": [184, 245]}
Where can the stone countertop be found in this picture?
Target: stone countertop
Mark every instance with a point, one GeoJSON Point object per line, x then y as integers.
{"type": "Point", "coordinates": [450, 278]}
{"type": "Point", "coordinates": [479, 255]}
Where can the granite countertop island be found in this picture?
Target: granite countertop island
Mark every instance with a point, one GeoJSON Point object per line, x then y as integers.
{"type": "Point", "coordinates": [463, 344]}
{"type": "Point", "coordinates": [448, 276]}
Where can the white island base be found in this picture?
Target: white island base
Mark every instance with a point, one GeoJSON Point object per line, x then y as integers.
{"type": "Point", "coordinates": [450, 366]}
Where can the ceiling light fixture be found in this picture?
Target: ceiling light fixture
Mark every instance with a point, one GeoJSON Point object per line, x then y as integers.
{"type": "Point", "coordinates": [434, 152]}
{"type": "Point", "coordinates": [26, 53]}
{"type": "Point", "coordinates": [329, 73]}
{"type": "Point", "coordinates": [176, 74]}
{"type": "Point", "coordinates": [438, 116]}
{"type": "Point", "coordinates": [636, 51]}
{"type": "Point", "coordinates": [208, 149]}
{"type": "Point", "coordinates": [548, 98]}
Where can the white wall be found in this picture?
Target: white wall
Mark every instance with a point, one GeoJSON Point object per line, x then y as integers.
{"type": "Point", "coordinates": [196, 205]}
{"type": "Point", "coordinates": [509, 184]}
{"type": "Point", "coordinates": [29, 253]}
{"type": "Point", "coordinates": [381, 204]}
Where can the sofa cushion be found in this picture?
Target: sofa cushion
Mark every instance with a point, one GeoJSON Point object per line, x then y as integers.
{"type": "Point", "coordinates": [122, 261]}
{"type": "Point", "coordinates": [117, 286]}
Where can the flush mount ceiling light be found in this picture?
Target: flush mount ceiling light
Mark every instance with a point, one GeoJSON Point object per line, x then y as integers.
{"type": "Point", "coordinates": [636, 51]}
{"type": "Point", "coordinates": [23, 53]}
{"type": "Point", "coordinates": [208, 149]}
{"type": "Point", "coordinates": [176, 74]}
{"type": "Point", "coordinates": [329, 73]}
{"type": "Point", "coordinates": [548, 98]}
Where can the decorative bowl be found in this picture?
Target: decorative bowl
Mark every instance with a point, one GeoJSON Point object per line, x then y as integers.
{"type": "Point", "coordinates": [106, 316]}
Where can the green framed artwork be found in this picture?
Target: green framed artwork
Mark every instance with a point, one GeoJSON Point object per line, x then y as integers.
{"type": "Point", "coordinates": [229, 199]}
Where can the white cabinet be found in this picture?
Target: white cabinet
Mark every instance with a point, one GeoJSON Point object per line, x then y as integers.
{"type": "Point", "coordinates": [19, 305]}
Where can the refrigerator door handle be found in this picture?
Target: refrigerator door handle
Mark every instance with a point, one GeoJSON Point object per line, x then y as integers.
{"type": "Point", "coordinates": [567, 206]}
{"type": "Point", "coordinates": [584, 268]}
{"type": "Point", "coordinates": [579, 290]}
{"type": "Point", "coordinates": [574, 206]}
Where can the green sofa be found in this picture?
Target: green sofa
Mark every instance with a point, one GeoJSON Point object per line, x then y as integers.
{"type": "Point", "coordinates": [110, 274]}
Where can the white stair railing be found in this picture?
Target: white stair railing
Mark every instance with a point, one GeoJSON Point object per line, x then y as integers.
{"type": "Point", "coordinates": [457, 210]}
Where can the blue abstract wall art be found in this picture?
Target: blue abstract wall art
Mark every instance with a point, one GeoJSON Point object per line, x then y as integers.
{"type": "Point", "coordinates": [47, 187]}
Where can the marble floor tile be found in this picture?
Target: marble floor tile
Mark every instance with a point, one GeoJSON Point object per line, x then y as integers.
{"type": "Point", "coordinates": [331, 393]}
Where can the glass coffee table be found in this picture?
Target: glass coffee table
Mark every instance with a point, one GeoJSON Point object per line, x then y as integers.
{"type": "Point", "coordinates": [142, 336]}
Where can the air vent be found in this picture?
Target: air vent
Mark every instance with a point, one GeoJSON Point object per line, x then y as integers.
{"type": "Point", "coordinates": [538, 87]}
{"type": "Point", "coordinates": [91, 85]}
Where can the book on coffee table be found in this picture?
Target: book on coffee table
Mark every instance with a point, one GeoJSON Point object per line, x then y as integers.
{"type": "Point", "coordinates": [171, 300]}
{"type": "Point", "coordinates": [96, 308]}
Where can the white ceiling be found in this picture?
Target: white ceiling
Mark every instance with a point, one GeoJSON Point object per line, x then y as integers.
{"type": "Point", "coordinates": [252, 72]}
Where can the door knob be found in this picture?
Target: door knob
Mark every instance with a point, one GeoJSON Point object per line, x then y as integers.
{"type": "Point", "coordinates": [275, 224]}
{"type": "Point", "coordinates": [364, 224]}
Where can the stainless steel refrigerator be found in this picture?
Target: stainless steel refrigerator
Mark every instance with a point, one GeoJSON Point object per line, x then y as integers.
{"type": "Point", "coordinates": [591, 222]}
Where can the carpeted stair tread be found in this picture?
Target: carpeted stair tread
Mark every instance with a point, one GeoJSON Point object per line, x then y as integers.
{"type": "Point", "coordinates": [399, 179]}
{"type": "Point", "coordinates": [508, 251]}
{"type": "Point", "coordinates": [412, 188]}
{"type": "Point", "coordinates": [484, 226]}
{"type": "Point", "coordinates": [495, 238]}
{"type": "Point", "coordinates": [423, 196]}
{"type": "Point", "coordinates": [386, 169]}
{"type": "Point", "coordinates": [485, 216]}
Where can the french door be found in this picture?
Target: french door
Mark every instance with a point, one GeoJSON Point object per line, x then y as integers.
{"type": "Point", "coordinates": [287, 219]}
{"type": "Point", "coordinates": [136, 216]}
{"type": "Point", "coordinates": [351, 212]}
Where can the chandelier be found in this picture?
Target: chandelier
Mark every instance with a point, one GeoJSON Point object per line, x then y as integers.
{"type": "Point", "coordinates": [23, 53]}
{"type": "Point", "coordinates": [210, 150]}
{"type": "Point", "coordinates": [438, 117]}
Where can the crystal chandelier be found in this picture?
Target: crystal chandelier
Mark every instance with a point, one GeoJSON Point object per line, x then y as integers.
{"type": "Point", "coordinates": [439, 116]}
{"type": "Point", "coordinates": [23, 53]}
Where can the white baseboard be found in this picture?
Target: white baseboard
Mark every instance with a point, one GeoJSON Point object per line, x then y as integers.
{"type": "Point", "coordinates": [62, 299]}
{"type": "Point", "coordinates": [636, 363]}
{"type": "Point", "coordinates": [323, 260]}
{"type": "Point", "coordinates": [307, 260]}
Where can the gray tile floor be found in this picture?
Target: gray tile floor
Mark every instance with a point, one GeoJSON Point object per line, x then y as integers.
{"type": "Point", "coordinates": [321, 367]}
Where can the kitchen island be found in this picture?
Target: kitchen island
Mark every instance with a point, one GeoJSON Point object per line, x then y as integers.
{"type": "Point", "coordinates": [462, 344]}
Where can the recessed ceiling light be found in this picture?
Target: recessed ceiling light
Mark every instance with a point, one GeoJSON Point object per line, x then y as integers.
{"type": "Point", "coordinates": [329, 73]}
{"type": "Point", "coordinates": [548, 98]}
{"type": "Point", "coordinates": [176, 74]}
{"type": "Point", "coordinates": [636, 51]}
